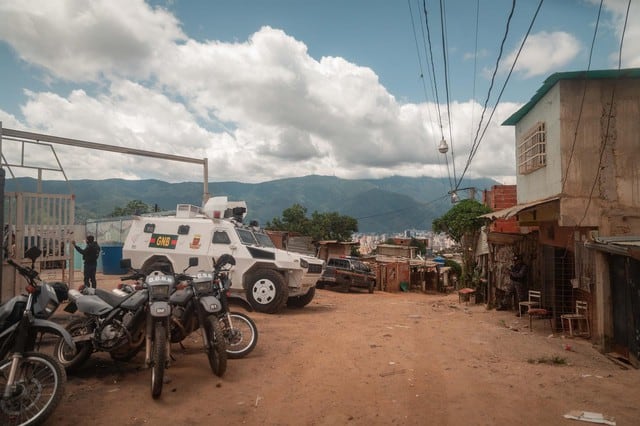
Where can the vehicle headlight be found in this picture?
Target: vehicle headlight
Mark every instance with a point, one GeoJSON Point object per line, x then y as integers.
{"type": "Point", "coordinates": [304, 263]}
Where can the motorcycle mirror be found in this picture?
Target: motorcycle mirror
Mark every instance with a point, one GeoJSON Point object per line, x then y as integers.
{"type": "Point", "coordinates": [193, 261]}
{"type": "Point", "coordinates": [33, 253]}
{"type": "Point", "coordinates": [125, 263]}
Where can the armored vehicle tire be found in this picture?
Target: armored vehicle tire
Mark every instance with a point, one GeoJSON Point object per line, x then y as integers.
{"type": "Point", "coordinates": [301, 301]}
{"type": "Point", "coordinates": [266, 291]}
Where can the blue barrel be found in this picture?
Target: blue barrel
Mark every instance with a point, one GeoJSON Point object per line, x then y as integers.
{"type": "Point", "coordinates": [111, 256]}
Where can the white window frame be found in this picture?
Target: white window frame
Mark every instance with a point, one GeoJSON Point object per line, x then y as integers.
{"type": "Point", "coordinates": [532, 149]}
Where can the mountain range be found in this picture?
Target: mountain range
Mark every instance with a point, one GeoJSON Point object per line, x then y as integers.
{"type": "Point", "coordinates": [385, 205]}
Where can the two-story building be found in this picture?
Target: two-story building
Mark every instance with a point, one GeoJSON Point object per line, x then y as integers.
{"type": "Point", "coordinates": [578, 181]}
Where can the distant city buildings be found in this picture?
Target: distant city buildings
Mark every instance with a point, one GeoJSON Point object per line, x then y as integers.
{"type": "Point", "coordinates": [436, 242]}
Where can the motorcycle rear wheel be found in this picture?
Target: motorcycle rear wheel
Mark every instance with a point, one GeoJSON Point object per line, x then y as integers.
{"type": "Point", "coordinates": [69, 359]}
{"type": "Point", "coordinates": [159, 358]}
{"type": "Point", "coordinates": [242, 337]}
{"type": "Point", "coordinates": [217, 350]}
{"type": "Point", "coordinates": [39, 387]}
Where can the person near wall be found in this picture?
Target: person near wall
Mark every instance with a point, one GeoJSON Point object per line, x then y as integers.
{"type": "Point", "coordinates": [517, 284]}
{"type": "Point", "coordinates": [90, 258]}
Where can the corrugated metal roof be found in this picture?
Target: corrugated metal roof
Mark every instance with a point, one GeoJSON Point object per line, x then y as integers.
{"type": "Point", "coordinates": [573, 75]}
{"type": "Point", "coordinates": [514, 210]}
{"type": "Point", "coordinates": [623, 245]}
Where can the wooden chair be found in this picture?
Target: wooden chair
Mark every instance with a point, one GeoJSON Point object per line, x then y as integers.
{"type": "Point", "coordinates": [580, 318]}
{"type": "Point", "coordinates": [535, 298]}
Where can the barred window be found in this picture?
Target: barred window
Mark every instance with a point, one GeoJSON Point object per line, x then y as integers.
{"type": "Point", "coordinates": [532, 149]}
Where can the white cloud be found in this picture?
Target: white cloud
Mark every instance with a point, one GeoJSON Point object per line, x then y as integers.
{"type": "Point", "coordinates": [79, 40]}
{"type": "Point", "coordinates": [258, 110]}
{"type": "Point", "coordinates": [543, 53]}
{"type": "Point", "coordinates": [631, 48]}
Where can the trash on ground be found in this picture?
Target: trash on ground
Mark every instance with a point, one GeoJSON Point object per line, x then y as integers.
{"type": "Point", "coordinates": [590, 416]}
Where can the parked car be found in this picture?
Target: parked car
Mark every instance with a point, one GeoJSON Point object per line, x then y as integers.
{"type": "Point", "coordinates": [346, 272]}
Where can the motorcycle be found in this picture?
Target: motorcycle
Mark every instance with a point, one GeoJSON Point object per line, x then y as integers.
{"type": "Point", "coordinates": [111, 323]}
{"type": "Point", "coordinates": [158, 287]}
{"type": "Point", "coordinates": [32, 383]}
{"type": "Point", "coordinates": [240, 332]}
{"type": "Point", "coordinates": [194, 306]}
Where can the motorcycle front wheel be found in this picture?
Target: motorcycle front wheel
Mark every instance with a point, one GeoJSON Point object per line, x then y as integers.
{"type": "Point", "coordinates": [241, 335]}
{"type": "Point", "coordinates": [216, 352]}
{"type": "Point", "coordinates": [159, 358]}
{"type": "Point", "coordinates": [36, 392]}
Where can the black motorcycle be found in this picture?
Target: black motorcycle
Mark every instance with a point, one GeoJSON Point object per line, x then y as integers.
{"type": "Point", "coordinates": [240, 332]}
{"type": "Point", "coordinates": [194, 306]}
{"type": "Point", "coordinates": [32, 383]}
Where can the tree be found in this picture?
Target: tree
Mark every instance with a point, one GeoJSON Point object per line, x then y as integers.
{"type": "Point", "coordinates": [294, 219]}
{"type": "Point", "coordinates": [463, 223]}
{"type": "Point", "coordinates": [134, 207]}
{"type": "Point", "coordinates": [321, 226]}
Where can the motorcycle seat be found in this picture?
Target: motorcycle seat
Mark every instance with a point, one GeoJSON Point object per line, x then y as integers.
{"type": "Point", "coordinates": [111, 298]}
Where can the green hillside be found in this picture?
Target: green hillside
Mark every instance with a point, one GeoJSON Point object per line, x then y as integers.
{"type": "Point", "coordinates": [390, 204]}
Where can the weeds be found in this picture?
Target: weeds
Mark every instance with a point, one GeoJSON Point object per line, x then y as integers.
{"type": "Point", "coordinates": [555, 360]}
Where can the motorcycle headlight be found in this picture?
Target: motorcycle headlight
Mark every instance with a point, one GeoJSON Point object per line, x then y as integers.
{"type": "Point", "coordinates": [202, 286]}
{"type": "Point", "coordinates": [159, 291]}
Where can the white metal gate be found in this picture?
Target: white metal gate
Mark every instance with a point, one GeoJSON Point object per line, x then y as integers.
{"type": "Point", "coordinates": [42, 220]}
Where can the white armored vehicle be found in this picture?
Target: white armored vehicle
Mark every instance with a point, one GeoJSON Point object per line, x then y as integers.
{"type": "Point", "coordinates": [266, 277]}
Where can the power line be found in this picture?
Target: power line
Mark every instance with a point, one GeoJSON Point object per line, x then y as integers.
{"type": "Point", "coordinates": [443, 24]}
{"type": "Point", "coordinates": [486, 101]}
{"type": "Point", "coordinates": [424, 87]}
{"type": "Point", "coordinates": [403, 209]}
{"type": "Point", "coordinates": [426, 20]}
{"type": "Point", "coordinates": [584, 93]}
{"type": "Point", "coordinates": [477, 140]}
{"type": "Point", "coordinates": [609, 116]}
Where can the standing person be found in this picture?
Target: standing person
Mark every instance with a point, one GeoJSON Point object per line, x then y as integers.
{"type": "Point", "coordinates": [517, 284]}
{"type": "Point", "coordinates": [90, 257]}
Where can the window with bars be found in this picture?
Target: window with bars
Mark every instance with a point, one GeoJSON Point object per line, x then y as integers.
{"type": "Point", "coordinates": [532, 149]}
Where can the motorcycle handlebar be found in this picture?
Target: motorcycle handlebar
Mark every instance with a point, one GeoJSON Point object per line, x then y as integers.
{"type": "Point", "coordinates": [134, 276]}
{"type": "Point", "coordinates": [29, 273]}
{"type": "Point", "coordinates": [182, 277]}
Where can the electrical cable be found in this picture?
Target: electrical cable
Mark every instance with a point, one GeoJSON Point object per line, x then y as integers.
{"type": "Point", "coordinates": [475, 68]}
{"type": "Point", "coordinates": [584, 93]}
{"type": "Point", "coordinates": [426, 20]}
{"type": "Point", "coordinates": [609, 116]}
{"type": "Point", "coordinates": [477, 141]}
{"type": "Point", "coordinates": [443, 24]}
{"type": "Point", "coordinates": [424, 87]}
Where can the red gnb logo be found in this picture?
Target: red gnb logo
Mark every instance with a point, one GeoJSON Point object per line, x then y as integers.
{"type": "Point", "coordinates": [163, 241]}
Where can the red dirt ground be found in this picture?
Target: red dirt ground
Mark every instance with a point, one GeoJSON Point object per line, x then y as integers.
{"type": "Point", "coordinates": [365, 359]}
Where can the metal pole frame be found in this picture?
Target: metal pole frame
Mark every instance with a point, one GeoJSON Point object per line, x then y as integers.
{"type": "Point", "coordinates": [5, 132]}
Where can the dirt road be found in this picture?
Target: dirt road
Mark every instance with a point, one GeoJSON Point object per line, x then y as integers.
{"type": "Point", "coordinates": [363, 359]}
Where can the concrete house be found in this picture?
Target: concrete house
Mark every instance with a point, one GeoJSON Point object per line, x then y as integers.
{"type": "Point", "coordinates": [578, 181]}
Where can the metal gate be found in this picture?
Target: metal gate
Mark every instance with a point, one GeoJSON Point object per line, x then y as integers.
{"type": "Point", "coordinates": [42, 220]}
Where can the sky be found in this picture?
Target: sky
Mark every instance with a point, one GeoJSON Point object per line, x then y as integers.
{"type": "Point", "coordinates": [271, 89]}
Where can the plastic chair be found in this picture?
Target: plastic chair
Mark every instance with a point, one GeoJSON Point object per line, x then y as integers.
{"type": "Point", "coordinates": [535, 297]}
{"type": "Point", "coordinates": [579, 318]}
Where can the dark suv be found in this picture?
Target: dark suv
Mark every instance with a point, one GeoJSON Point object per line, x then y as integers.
{"type": "Point", "coordinates": [345, 272]}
